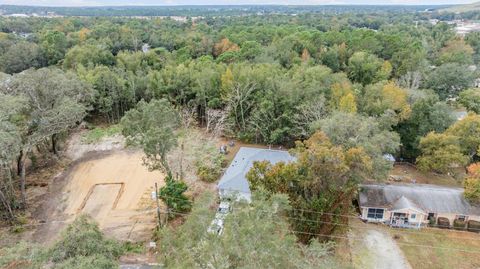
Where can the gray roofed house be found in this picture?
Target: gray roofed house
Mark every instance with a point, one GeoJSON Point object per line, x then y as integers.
{"type": "Point", "coordinates": [234, 181]}
{"type": "Point", "coordinates": [413, 204]}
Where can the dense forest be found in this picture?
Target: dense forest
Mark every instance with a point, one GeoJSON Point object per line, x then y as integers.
{"type": "Point", "coordinates": [366, 85]}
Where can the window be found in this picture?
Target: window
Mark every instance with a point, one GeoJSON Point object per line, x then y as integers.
{"type": "Point", "coordinates": [461, 217]}
{"type": "Point", "coordinates": [375, 213]}
{"type": "Point", "coordinates": [413, 216]}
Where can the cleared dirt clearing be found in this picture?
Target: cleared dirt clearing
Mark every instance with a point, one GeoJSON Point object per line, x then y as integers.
{"type": "Point", "coordinates": [113, 187]}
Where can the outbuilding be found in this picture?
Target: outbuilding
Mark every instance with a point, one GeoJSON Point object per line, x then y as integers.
{"type": "Point", "coordinates": [234, 182]}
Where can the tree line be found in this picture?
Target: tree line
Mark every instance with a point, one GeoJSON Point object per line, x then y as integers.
{"type": "Point", "coordinates": [358, 85]}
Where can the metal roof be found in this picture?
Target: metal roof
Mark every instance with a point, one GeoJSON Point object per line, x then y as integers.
{"type": "Point", "coordinates": [428, 198]}
{"type": "Point", "coordinates": [234, 178]}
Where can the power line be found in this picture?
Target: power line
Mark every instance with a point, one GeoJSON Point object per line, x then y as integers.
{"type": "Point", "coordinates": [357, 217]}
{"type": "Point", "coordinates": [358, 238]}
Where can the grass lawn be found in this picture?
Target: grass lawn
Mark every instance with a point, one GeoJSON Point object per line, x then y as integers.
{"type": "Point", "coordinates": [441, 254]}
{"type": "Point", "coordinates": [98, 133]}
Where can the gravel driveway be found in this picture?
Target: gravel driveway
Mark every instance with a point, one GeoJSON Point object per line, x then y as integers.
{"type": "Point", "coordinates": [383, 251]}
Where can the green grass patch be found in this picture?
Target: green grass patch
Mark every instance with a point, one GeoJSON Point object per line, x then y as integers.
{"type": "Point", "coordinates": [98, 133]}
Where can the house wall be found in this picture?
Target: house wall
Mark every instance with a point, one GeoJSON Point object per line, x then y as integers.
{"type": "Point", "coordinates": [364, 210]}
{"type": "Point", "coordinates": [237, 196]}
{"type": "Point", "coordinates": [422, 218]}
{"type": "Point", "coordinates": [452, 217]}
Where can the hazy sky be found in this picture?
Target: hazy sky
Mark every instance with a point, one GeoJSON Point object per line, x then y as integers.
{"type": "Point", "coordinates": [222, 2]}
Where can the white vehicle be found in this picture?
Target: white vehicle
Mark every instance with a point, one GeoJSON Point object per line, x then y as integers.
{"type": "Point", "coordinates": [216, 227]}
{"type": "Point", "coordinates": [224, 208]}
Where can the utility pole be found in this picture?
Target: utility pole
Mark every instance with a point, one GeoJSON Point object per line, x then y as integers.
{"type": "Point", "coordinates": [158, 206]}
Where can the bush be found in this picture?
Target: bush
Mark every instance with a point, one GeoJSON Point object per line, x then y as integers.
{"type": "Point", "coordinates": [89, 262]}
{"type": "Point", "coordinates": [209, 164]}
{"type": "Point", "coordinates": [473, 226]}
{"type": "Point", "coordinates": [84, 238]}
{"type": "Point", "coordinates": [172, 194]}
{"type": "Point", "coordinates": [98, 133]}
{"type": "Point", "coordinates": [459, 224]}
{"type": "Point", "coordinates": [443, 222]}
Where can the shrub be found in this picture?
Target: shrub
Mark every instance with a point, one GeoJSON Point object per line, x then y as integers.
{"type": "Point", "coordinates": [473, 226]}
{"type": "Point", "coordinates": [443, 222]}
{"type": "Point", "coordinates": [84, 238]}
{"type": "Point", "coordinates": [209, 164]}
{"type": "Point", "coordinates": [89, 262]}
{"type": "Point", "coordinates": [172, 194]}
{"type": "Point", "coordinates": [459, 224]}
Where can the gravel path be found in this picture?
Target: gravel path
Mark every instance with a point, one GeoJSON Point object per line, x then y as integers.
{"type": "Point", "coordinates": [384, 252]}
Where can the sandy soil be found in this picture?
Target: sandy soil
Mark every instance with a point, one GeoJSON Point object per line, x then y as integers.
{"type": "Point", "coordinates": [76, 149]}
{"type": "Point", "coordinates": [113, 187]}
{"type": "Point", "coordinates": [372, 247]}
{"type": "Point", "coordinates": [384, 252]}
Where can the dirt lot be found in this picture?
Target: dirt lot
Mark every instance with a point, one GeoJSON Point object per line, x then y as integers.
{"type": "Point", "coordinates": [113, 187]}
{"type": "Point", "coordinates": [408, 173]}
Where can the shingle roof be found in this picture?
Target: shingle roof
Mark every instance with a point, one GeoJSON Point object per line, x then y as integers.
{"type": "Point", "coordinates": [234, 178]}
{"type": "Point", "coordinates": [405, 203]}
{"type": "Point", "coordinates": [429, 198]}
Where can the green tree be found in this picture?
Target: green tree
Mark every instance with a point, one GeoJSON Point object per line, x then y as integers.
{"type": "Point", "coordinates": [88, 55]}
{"type": "Point", "coordinates": [260, 233]}
{"type": "Point", "coordinates": [357, 131]}
{"type": "Point", "coordinates": [470, 99]}
{"type": "Point", "coordinates": [56, 101]}
{"type": "Point", "coordinates": [467, 131]}
{"type": "Point", "coordinates": [456, 51]}
{"type": "Point", "coordinates": [440, 153]}
{"type": "Point", "coordinates": [428, 115]}
{"type": "Point", "coordinates": [323, 179]}
{"type": "Point", "coordinates": [364, 68]}
{"type": "Point", "coordinates": [21, 56]}
{"type": "Point", "coordinates": [173, 195]}
{"type": "Point", "coordinates": [152, 126]}
{"type": "Point", "coordinates": [54, 45]}
{"type": "Point", "coordinates": [449, 79]}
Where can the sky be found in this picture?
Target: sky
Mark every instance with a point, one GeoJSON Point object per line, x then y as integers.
{"type": "Point", "coordinates": [226, 2]}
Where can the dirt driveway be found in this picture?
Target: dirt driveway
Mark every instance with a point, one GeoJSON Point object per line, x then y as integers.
{"type": "Point", "coordinates": [373, 248]}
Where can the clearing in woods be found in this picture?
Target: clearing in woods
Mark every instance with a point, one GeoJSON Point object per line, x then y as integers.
{"type": "Point", "coordinates": [113, 187]}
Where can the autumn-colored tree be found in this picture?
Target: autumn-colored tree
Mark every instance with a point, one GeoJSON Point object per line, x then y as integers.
{"type": "Point", "coordinates": [224, 45]}
{"type": "Point", "coordinates": [470, 99]}
{"type": "Point", "coordinates": [227, 83]}
{"type": "Point", "coordinates": [456, 51]}
{"type": "Point", "coordinates": [324, 179]}
{"type": "Point", "coordinates": [348, 103]}
{"type": "Point", "coordinates": [381, 97]}
{"type": "Point", "coordinates": [440, 153]}
{"type": "Point", "coordinates": [468, 132]}
{"type": "Point", "coordinates": [472, 183]}
{"type": "Point", "coordinates": [338, 91]}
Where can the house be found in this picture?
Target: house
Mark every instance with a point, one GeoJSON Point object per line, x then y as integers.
{"type": "Point", "coordinates": [234, 181]}
{"type": "Point", "coordinates": [414, 205]}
